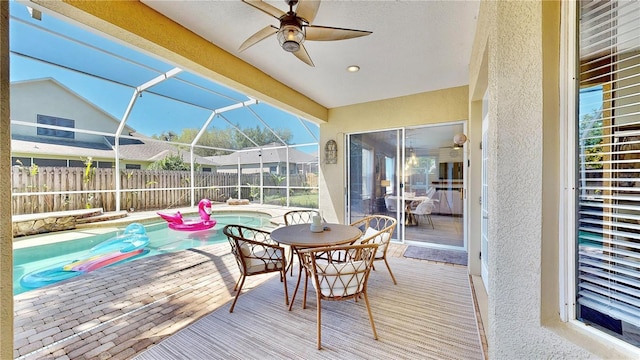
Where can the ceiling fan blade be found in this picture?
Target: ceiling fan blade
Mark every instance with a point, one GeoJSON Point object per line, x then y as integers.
{"type": "Point", "coordinates": [265, 8]}
{"type": "Point", "coordinates": [303, 55]}
{"type": "Point", "coordinates": [307, 9]}
{"type": "Point", "coordinates": [257, 37]}
{"type": "Point", "coordinates": [326, 33]}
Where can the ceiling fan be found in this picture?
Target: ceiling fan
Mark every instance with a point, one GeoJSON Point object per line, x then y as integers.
{"type": "Point", "coordinates": [295, 28]}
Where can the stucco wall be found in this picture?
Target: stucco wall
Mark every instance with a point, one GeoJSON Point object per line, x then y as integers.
{"type": "Point", "coordinates": [517, 62]}
{"type": "Point", "coordinates": [6, 237]}
{"type": "Point", "coordinates": [420, 109]}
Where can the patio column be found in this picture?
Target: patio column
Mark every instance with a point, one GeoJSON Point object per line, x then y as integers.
{"type": "Point", "coordinates": [6, 233]}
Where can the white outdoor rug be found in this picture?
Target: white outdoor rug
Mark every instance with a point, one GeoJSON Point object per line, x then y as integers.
{"type": "Point", "coordinates": [428, 315]}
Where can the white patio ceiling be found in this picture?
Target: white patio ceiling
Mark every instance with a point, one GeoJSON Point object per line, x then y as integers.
{"type": "Point", "coordinates": [416, 46]}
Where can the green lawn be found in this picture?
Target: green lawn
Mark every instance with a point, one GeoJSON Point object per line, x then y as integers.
{"type": "Point", "coordinates": [303, 200]}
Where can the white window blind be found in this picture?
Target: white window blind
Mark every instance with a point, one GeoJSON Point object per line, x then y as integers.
{"type": "Point", "coordinates": [608, 168]}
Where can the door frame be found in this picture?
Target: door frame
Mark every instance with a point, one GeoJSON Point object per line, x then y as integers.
{"type": "Point", "coordinates": [484, 206]}
{"type": "Point", "coordinates": [401, 146]}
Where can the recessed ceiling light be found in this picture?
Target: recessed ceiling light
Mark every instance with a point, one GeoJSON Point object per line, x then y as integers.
{"type": "Point", "coordinates": [353, 68]}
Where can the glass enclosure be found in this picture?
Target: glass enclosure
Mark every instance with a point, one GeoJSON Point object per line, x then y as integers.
{"type": "Point", "coordinates": [98, 124]}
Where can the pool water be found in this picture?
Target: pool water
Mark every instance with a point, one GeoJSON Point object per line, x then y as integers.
{"type": "Point", "coordinates": [162, 240]}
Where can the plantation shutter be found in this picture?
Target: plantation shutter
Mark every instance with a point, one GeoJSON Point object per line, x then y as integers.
{"type": "Point", "coordinates": [608, 166]}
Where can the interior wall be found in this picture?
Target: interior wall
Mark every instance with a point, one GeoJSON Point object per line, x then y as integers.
{"type": "Point", "coordinates": [420, 109]}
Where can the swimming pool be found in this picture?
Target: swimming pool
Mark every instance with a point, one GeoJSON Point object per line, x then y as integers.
{"type": "Point", "coordinates": [161, 240]}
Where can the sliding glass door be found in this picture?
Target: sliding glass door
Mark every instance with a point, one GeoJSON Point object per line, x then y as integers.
{"type": "Point", "coordinates": [415, 175]}
{"type": "Point", "coordinates": [373, 168]}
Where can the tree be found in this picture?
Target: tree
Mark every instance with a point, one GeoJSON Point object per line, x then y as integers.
{"type": "Point", "coordinates": [260, 136]}
{"type": "Point", "coordinates": [166, 136]}
{"type": "Point", "coordinates": [227, 138]}
{"type": "Point", "coordinates": [591, 139]}
{"type": "Point", "coordinates": [170, 162]}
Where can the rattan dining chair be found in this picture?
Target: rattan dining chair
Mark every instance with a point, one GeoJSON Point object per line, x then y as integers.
{"type": "Point", "coordinates": [378, 229]}
{"type": "Point", "coordinates": [342, 280]}
{"type": "Point", "coordinates": [295, 217]}
{"type": "Point", "coordinates": [256, 253]}
{"type": "Point", "coordinates": [424, 209]}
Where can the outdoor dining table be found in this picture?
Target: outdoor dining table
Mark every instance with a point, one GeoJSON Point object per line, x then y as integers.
{"type": "Point", "coordinates": [300, 236]}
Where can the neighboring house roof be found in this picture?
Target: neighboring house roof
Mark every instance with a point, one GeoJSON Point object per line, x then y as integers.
{"type": "Point", "coordinates": [143, 149]}
{"type": "Point", "coordinates": [34, 147]}
{"type": "Point", "coordinates": [269, 155]}
{"type": "Point", "coordinates": [50, 142]}
{"type": "Point", "coordinates": [131, 150]}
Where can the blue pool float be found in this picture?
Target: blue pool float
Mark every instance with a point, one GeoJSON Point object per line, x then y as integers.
{"type": "Point", "coordinates": [47, 276]}
{"type": "Point", "coordinates": [134, 237]}
{"type": "Point", "coordinates": [128, 245]}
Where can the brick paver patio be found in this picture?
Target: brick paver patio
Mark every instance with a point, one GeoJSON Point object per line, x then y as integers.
{"type": "Point", "coordinates": [117, 312]}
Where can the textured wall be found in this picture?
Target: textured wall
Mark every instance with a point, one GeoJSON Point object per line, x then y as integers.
{"type": "Point", "coordinates": [515, 165]}
{"type": "Point", "coordinates": [521, 70]}
{"type": "Point", "coordinates": [6, 246]}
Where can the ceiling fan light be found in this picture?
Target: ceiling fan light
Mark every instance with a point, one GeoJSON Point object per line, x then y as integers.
{"type": "Point", "coordinates": [290, 37]}
{"type": "Point", "coordinates": [460, 139]}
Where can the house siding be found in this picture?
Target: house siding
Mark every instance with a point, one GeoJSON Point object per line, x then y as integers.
{"type": "Point", "coordinates": [46, 97]}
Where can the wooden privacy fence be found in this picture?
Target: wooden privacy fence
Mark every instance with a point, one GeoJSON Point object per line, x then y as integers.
{"type": "Point", "coordinates": [47, 189]}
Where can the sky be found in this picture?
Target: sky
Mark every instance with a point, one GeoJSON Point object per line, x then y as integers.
{"type": "Point", "coordinates": [49, 40]}
{"type": "Point", "coordinates": [590, 100]}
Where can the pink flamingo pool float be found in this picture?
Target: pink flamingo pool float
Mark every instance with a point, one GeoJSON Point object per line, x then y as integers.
{"type": "Point", "coordinates": [204, 222]}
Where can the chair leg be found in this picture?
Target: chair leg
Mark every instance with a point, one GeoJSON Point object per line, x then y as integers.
{"type": "Point", "coordinates": [290, 265]}
{"type": "Point", "coordinates": [283, 274]}
{"type": "Point", "coordinates": [293, 297]}
{"type": "Point", "coordinates": [319, 325]}
{"type": "Point", "coordinates": [373, 326]}
{"type": "Point", "coordinates": [390, 272]}
{"type": "Point", "coordinates": [430, 221]}
{"type": "Point", "coordinates": [235, 288]}
{"type": "Point", "coordinates": [306, 282]}
{"type": "Point", "coordinates": [238, 292]}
